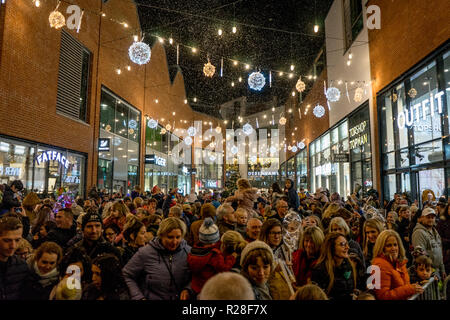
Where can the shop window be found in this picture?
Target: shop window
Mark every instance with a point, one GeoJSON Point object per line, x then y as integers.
{"type": "Point", "coordinates": [121, 119]}
{"type": "Point", "coordinates": [446, 59]}
{"type": "Point", "coordinates": [433, 180]}
{"type": "Point", "coordinates": [401, 108]}
{"type": "Point", "coordinates": [406, 182]}
{"type": "Point", "coordinates": [107, 112]}
{"type": "Point", "coordinates": [429, 152]}
{"type": "Point", "coordinates": [387, 122]}
{"type": "Point", "coordinates": [390, 186]}
{"type": "Point", "coordinates": [343, 130]}
{"type": "Point", "coordinates": [389, 161]}
{"type": "Point", "coordinates": [104, 174]}
{"type": "Point", "coordinates": [134, 125]}
{"type": "Point", "coordinates": [16, 162]}
{"type": "Point", "coordinates": [404, 158]}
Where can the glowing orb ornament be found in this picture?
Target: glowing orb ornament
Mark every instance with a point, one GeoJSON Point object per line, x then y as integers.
{"type": "Point", "coordinates": [132, 124]}
{"type": "Point", "coordinates": [301, 145]}
{"type": "Point", "coordinates": [333, 94]}
{"type": "Point", "coordinates": [192, 131]}
{"type": "Point", "coordinates": [272, 150]}
{"type": "Point", "coordinates": [108, 128]}
{"type": "Point", "coordinates": [247, 128]}
{"type": "Point", "coordinates": [319, 111]}
{"type": "Point", "coordinates": [282, 121]}
{"type": "Point", "coordinates": [117, 141]}
{"type": "Point", "coordinates": [359, 92]}
{"type": "Point", "coordinates": [412, 93]}
{"type": "Point", "coordinates": [163, 131]}
{"type": "Point", "coordinates": [294, 149]}
{"type": "Point", "coordinates": [209, 69]}
{"type": "Point", "coordinates": [300, 86]}
{"type": "Point", "coordinates": [218, 129]}
{"type": "Point", "coordinates": [256, 81]}
{"type": "Point", "coordinates": [56, 19]}
{"type": "Point", "coordinates": [140, 53]}
{"type": "Point", "coordinates": [168, 127]}
{"type": "Point", "coordinates": [188, 141]}
{"type": "Point", "coordinates": [152, 123]}
{"type": "Point", "coordinates": [234, 149]}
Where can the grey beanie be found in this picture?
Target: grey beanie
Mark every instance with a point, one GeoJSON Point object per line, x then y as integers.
{"type": "Point", "coordinates": [209, 232]}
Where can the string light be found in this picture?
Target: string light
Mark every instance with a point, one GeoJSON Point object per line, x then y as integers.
{"type": "Point", "coordinates": [291, 75]}
{"type": "Point", "coordinates": [280, 74]}
{"type": "Point", "coordinates": [170, 40]}
{"type": "Point", "coordinates": [129, 68]}
{"type": "Point", "coordinates": [292, 67]}
{"type": "Point", "coordinates": [185, 101]}
{"type": "Point", "coordinates": [135, 38]}
{"type": "Point", "coordinates": [232, 83]}
{"type": "Point", "coordinates": [156, 101]}
{"type": "Point", "coordinates": [247, 66]}
{"type": "Point", "coordinates": [234, 30]}
{"type": "Point", "coordinates": [37, 3]}
{"type": "Point", "coordinates": [235, 62]}
{"type": "Point", "coordinates": [195, 99]}
{"type": "Point", "coordinates": [119, 71]}
{"type": "Point", "coordinates": [240, 79]}
{"type": "Point", "coordinates": [349, 62]}
{"type": "Point", "coordinates": [220, 32]}
{"type": "Point", "coordinates": [316, 28]}
{"type": "Point", "coordinates": [194, 50]}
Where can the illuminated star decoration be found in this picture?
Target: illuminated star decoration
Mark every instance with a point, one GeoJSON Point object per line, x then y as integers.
{"type": "Point", "coordinates": [256, 81]}
{"type": "Point", "coordinates": [300, 86]}
{"type": "Point", "coordinates": [333, 94]}
{"type": "Point", "coordinates": [209, 69]}
{"type": "Point", "coordinates": [140, 53]}
{"type": "Point", "coordinates": [319, 111]}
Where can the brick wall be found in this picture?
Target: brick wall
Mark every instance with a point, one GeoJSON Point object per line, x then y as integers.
{"type": "Point", "coordinates": [29, 64]}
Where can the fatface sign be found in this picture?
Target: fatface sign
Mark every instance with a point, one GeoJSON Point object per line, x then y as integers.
{"type": "Point", "coordinates": [52, 156]}
{"type": "Point", "coordinates": [420, 110]}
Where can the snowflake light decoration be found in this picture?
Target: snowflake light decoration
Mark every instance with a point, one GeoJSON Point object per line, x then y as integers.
{"type": "Point", "coordinates": [140, 53]}
{"type": "Point", "coordinates": [56, 19]}
{"type": "Point", "coordinates": [152, 123]}
{"type": "Point", "coordinates": [163, 131]}
{"type": "Point", "coordinates": [209, 69]}
{"type": "Point", "coordinates": [247, 128]}
{"type": "Point", "coordinates": [192, 131]}
{"type": "Point", "coordinates": [168, 127]}
{"type": "Point", "coordinates": [294, 149]}
{"type": "Point", "coordinates": [300, 86]}
{"type": "Point", "coordinates": [282, 121]}
{"type": "Point", "coordinates": [333, 94]}
{"type": "Point", "coordinates": [130, 131]}
{"type": "Point", "coordinates": [412, 93]}
{"type": "Point", "coordinates": [319, 111]}
{"type": "Point", "coordinates": [301, 145]}
{"type": "Point", "coordinates": [272, 150]}
{"type": "Point", "coordinates": [132, 124]}
{"type": "Point", "coordinates": [256, 81]}
{"type": "Point", "coordinates": [188, 141]}
{"type": "Point", "coordinates": [359, 92]}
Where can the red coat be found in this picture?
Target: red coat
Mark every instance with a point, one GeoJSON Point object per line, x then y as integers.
{"type": "Point", "coordinates": [302, 267]}
{"type": "Point", "coordinates": [394, 280]}
{"type": "Point", "coordinates": [205, 262]}
{"type": "Point", "coordinates": [119, 222]}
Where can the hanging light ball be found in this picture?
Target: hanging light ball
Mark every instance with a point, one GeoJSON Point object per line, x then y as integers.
{"type": "Point", "coordinates": [412, 93]}
{"type": "Point", "coordinates": [359, 92]}
{"type": "Point", "coordinates": [168, 127]}
{"type": "Point", "coordinates": [188, 141]}
{"type": "Point", "coordinates": [108, 128]}
{"type": "Point", "coordinates": [117, 141]}
{"type": "Point", "coordinates": [192, 131]}
{"type": "Point", "coordinates": [289, 148]}
{"type": "Point", "coordinates": [319, 111]}
{"type": "Point", "coordinates": [300, 86]}
{"type": "Point", "coordinates": [294, 149]}
{"type": "Point", "coordinates": [247, 128]}
{"type": "Point", "coordinates": [282, 121]}
{"type": "Point", "coordinates": [140, 53]}
{"type": "Point", "coordinates": [218, 129]}
{"type": "Point", "coordinates": [152, 123]}
{"type": "Point", "coordinates": [301, 145]}
{"type": "Point", "coordinates": [163, 131]}
{"type": "Point", "coordinates": [56, 19]}
{"type": "Point", "coordinates": [234, 149]}
{"type": "Point", "coordinates": [132, 124]}
{"type": "Point", "coordinates": [209, 69]}
{"type": "Point", "coordinates": [256, 81]}
{"type": "Point", "coordinates": [273, 150]}
{"type": "Point", "coordinates": [333, 94]}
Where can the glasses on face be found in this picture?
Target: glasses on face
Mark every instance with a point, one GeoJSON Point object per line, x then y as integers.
{"type": "Point", "coordinates": [275, 233]}
{"type": "Point", "coordinates": [343, 244]}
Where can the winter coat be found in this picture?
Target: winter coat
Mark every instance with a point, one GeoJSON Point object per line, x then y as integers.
{"type": "Point", "coordinates": [224, 227]}
{"type": "Point", "coordinates": [242, 229]}
{"type": "Point", "coordinates": [302, 266]}
{"type": "Point", "coordinates": [279, 283]}
{"type": "Point", "coordinates": [97, 248]}
{"type": "Point", "coordinates": [293, 200]}
{"type": "Point", "coordinates": [14, 273]}
{"type": "Point", "coordinates": [355, 248]}
{"type": "Point", "coordinates": [147, 273]}
{"type": "Point", "coordinates": [39, 286]}
{"type": "Point", "coordinates": [9, 199]}
{"type": "Point", "coordinates": [443, 228]}
{"type": "Point", "coordinates": [159, 197]}
{"type": "Point", "coordinates": [344, 283]}
{"type": "Point", "coordinates": [61, 236]}
{"type": "Point", "coordinates": [205, 262]}
{"type": "Point", "coordinates": [431, 242]}
{"type": "Point", "coordinates": [128, 253]}
{"type": "Point", "coordinates": [394, 284]}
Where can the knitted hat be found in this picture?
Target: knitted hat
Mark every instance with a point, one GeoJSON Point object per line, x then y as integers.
{"type": "Point", "coordinates": [253, 246]}
{"type": "Point", "coordinates": [90, 217]}
{"type": "Point", "coordinates": [209, 232]}
{"type": "Point", "coordinates": [64, 293]}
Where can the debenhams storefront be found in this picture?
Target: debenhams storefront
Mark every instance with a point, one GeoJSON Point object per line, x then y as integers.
{"type": "Point", "coordinates": [414, 129]}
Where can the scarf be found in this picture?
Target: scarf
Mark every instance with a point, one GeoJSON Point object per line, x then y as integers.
{"type": "Point", "coordinates": [46, 279]}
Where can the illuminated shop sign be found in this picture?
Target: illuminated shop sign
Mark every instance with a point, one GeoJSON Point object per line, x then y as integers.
{"type": "Point", "coordinates": [52, 156]}
{"type": "Point", "coordinates": [420, 110]}
{"type": "Point", "coordinates": [104, 144]}
{"type": "Point", "coordinates": [362, 137]}
{"type": "Point", "coordinates": [72, 179]}
{"type": "Point", "coordinates": [10, 171]}
{"type": "Point", "coordinates": [262, 173]}
{"type": "Point", "coordinates": [211, 183]}
{"type": "Point", "coordinates": [154, 159]}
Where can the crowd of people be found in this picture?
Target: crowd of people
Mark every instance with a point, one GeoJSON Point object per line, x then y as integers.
{"type": "Point", "coordinates": [279, 245]}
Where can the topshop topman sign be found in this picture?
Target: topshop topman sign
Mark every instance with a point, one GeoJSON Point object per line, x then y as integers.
{"type": "Point", "coordinates": [54, 156]}
{"type": "Point", "coordinates": [415, 112]}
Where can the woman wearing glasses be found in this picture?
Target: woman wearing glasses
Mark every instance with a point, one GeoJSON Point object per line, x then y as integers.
{"type": "Point", "coordinates": [334, 272]}
{"type": "Point", "coordinates": [282, 277]}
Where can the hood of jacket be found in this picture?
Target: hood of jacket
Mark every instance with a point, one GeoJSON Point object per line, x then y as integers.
{"type": "Point", "coordinates": [292, 184]}
{"type": "Point", "coordinates": [201, 255]}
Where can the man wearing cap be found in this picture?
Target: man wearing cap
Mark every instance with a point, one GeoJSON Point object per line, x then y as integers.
{"type": "Point", "coordinates": [426, 236]}
{"type": "Point", "coordinates": [93, 242]}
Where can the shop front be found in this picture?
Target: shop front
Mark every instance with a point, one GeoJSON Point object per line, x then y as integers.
{"type": "Point", "coordinates": [209, 174]}
{"type": "Point", "coordinates": [301, 163]}
{"type": "Point", "coordinates": [414, 129]}
{"type": "Point", "coordinates": [119, 148]}
{"type": "Point", "coordinates": [260, 175]}
{"type": "Point", "coordinates": [42, 168]}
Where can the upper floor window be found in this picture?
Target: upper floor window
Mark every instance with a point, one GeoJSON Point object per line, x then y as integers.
{"type": "Point", "coordinates": [353, 21]}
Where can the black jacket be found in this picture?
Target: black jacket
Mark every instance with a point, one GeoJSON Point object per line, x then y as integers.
{"type": "Point", "coordinates": [293, 200]}
{"type": "Point", "coordinates": [13, 275]}
{"type": "Point", "coordinates": [34, 290]}
{"type": "Point", "coordinates": [99, 247]}
{"type": "Point", "coordinates": [343, 280]}
{"type": "Point", "coordinates": [128, 253]}
{"type": "Point", "coordinates": [62, 236]}
{"type": "Point", "coordinates": [9, 201]}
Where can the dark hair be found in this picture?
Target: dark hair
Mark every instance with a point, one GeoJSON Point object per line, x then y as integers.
{"type": "Point", "coordinates": [111, 274]}
{"type": "Point", "coordinates": [9, 223]}
{"type": "Point", "coordinates": [49, 225]}
{"type": "Point", "coordinates": [132, 228]}
{"type": "Point", "coordinates": [43, 216]}
{"type": "Point", "coordinates": [268, 225]}
{"type": "Point", "coordinates": [18, 184]}
{"type": "Point", "coordinates": [152, 200]}
{"type": "Point", "coordinates": [252, 258]}
{"type": "Point", "coordinates": [73, 255]}
{"type": "Point", "coordinates": [68, 213]}
{"type": "Point", "coordinates": [424, 260]}
{"type": "Point", "coordinates": [113, 226]}
{"type": "Point", "coordinates": [80, 202]}
{"type": "Point", "coordinates": [126, 199]}
{"type": "Point", "coordinates": [276, 187]}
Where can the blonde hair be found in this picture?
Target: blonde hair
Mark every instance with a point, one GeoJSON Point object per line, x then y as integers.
{"type": "Point", "coordinates": [310, 292]}
{"type": "Point", "coordinates": [372, 223]}
{"type": "Point", "coordinates": [332, 209]}
{"type": "Point", "coordinates": [327, 257]}
{"type": "Point", "coordinates": [340, 222]}
{"type": "Point", "coordinates": [232, 240]}
{"type": "Point", "coordinates": [167, 225]}
{"type": "Point", "coordinates": [318, 221]}
{"type": "Point", "coordinates": [24, 244]}
{"type": "Point", "coordinates": [138, 202]}
{"type": "Point", "coordinates": [315, 234]}
{"type": "Point", "coordinates": [121, 207]}
{"type": "Point", "coordinates": [378, 249]}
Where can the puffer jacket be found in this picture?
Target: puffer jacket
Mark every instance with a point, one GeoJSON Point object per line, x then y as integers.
{"type": "Point", "coordinates": [14, 273]}
{"type": "Point", "coordinates": [206, 262]}
{"type": "Point", "coordinates": [148, 276]}
{"type": "Point", "coordinates": [394, 284]}
{"type": "Point", "coordinates": [430, 240]}
{"type": "Point", "coordinates": [344, 283]}
{"type": "Point", "coordinates": [279, 283]}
